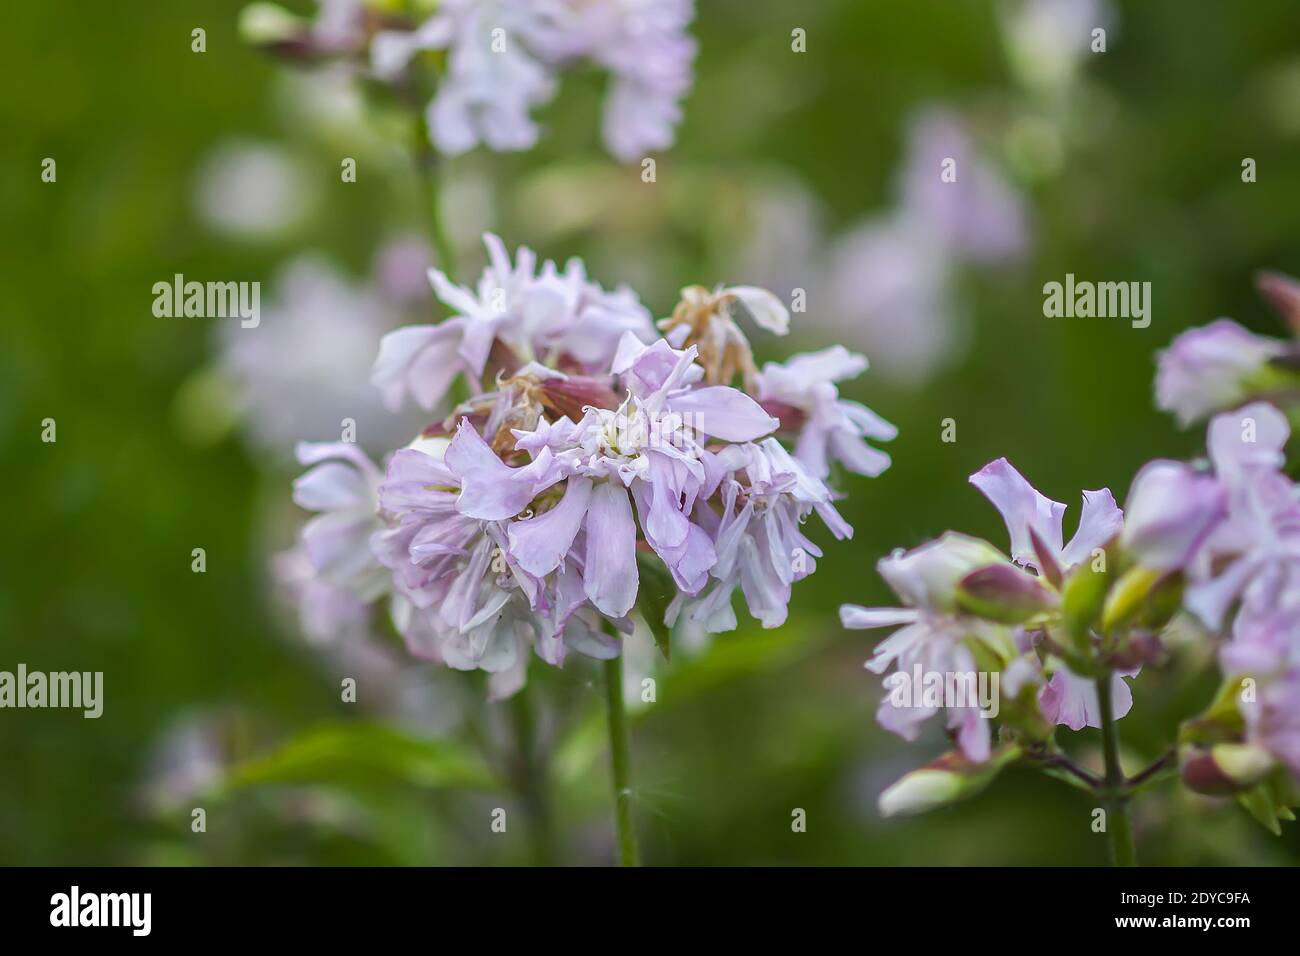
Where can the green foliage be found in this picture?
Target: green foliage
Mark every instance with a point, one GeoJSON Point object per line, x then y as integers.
{"type": "Point", "coordinates": [364, 754]}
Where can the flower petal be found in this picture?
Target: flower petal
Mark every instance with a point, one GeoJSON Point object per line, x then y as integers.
{"type": "Point", "coordinates": [724, 412]}
{"type": "Point", "coordinates": [1022, 507]}
{"type": "Point", "coordinates": [767, 310]}
{"type": "Point", "coordinates": [490, 489]}
{"type": "Point", "coordinates": [540, 544]}
{"type": "Point", "coordinates": [858, 618]}
{"type": "Point", "coordinates": [1099, 521]}
{"type": "Point", "coordinates": [610, 567]}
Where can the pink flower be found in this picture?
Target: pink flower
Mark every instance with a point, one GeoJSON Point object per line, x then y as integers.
{"type": "Point", "coordinates": [1252, 556]}
{"type": "Point", "coordinates": [549, 315]}
{"type": "Point", "coordinates": [341, 487]}
{"type": "Point", "coordinates": [648, 53]}
{"type": "Point", "coordinates": [464, 600]}
{"type": "Point", "coordinates": [503, 57]}
{"type": "Point", "coordinates": [832, 428]}
{"type": "Point", "coordinates": [648, 451]}
{"type": "Point", "coordinates": [1171, 510]}
{"type": "Point", "coordinates": [1273, 720]}
{"type": "Point", "coordinates": [936, 643]}
{"type": "Point", "coordinates": [1072, 701]}
{"type": "Point", "coordinates": [765, 497]}
{"type": "Point", "coordinates": [1027, 514]}
{"type": "Point", "coordinates": [1208, 369]}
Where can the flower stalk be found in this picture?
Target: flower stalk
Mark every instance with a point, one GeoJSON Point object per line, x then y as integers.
{"type": "Point", "coordinates": [620, 762]}
{"type": "Point", "coordinates": [1119, 828]}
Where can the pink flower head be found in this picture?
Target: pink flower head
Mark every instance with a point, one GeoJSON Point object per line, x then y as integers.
{"type": "Point", "coordinates": [649, 452]}
{"type": "Point", "coordinates": [545, 315]}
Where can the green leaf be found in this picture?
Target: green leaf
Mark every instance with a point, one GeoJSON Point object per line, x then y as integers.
{"type": "Point", "coordinates": [1258, 800]}
{"type": "Point", "coordinates": [363, 754]}
{"type": "Point", "coordinates": [1271, 800]}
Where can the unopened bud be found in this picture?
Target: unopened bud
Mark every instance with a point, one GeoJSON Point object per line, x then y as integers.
{"type": "Point", "coordinates": [1283, 293]}
{"type": "Point", "coordinates": [919, 791]}
{"type": "Point", "coordinates": [570, 394]}
{"type": "Point", "coordinates": [944, 781]}
{"type": "Point", "coordinates": [1224, 768]}
{"type": "Point", "coordinates": [1004, 593]}
{"type": "Point", "coordinates": [928, 576]}
{"type": "Point", "coordinates": [1082, 598]}
{"type": "Point", "coordinates": [1127, 597]}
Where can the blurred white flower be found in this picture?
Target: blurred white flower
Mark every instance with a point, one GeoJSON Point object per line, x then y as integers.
{"type": "Point", "coordinates": [303, 370]}
{"type": "Point", "coordinates": [503, 58]}
{"type": "Point", "coordinates": [255, 191]}
{"type": "Point", "coordinates": [1047, 39]}
{"type": "Point", "coordinates": [889, 296]}
{"type": "Point", "coordinates": [978, 217]}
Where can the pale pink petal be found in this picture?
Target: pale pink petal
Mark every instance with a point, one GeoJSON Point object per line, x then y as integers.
{"type": "Point", "coordinates": [1022, 508]}
{"type": "Point", "coordinates": [1099, 521]}
{"type": "Point", "coordinates": [725, 413]}
{"type": "Point", "coordinates": [540, 544]}
{"type": "Point", "coordinates": [610, 566]}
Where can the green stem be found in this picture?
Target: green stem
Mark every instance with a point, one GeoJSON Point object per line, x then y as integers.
{"type": "Point", "coordinates": [1119, 828]}
{"type": "Point", "coordinates": [619, 761]}
{"type": "Point", "coordinates": [532, 779]}
{"type": "Point", "coordinates": [428, 166]}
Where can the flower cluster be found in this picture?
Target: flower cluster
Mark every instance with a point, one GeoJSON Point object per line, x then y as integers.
{"type": "Point", "coordinates": [970, 606]}
{"type": "Point", "coordinates": [591, 467]}
{"type": "Point", "coordinates": [499, 60]}
{"type": "Point", "coordinates": [1063, 625]}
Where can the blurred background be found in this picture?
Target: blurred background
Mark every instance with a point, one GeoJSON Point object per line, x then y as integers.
{"type": "Point", "coordinates": [810, 170]}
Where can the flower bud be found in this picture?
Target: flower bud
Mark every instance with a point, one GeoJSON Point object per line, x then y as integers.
{"type": "Point", "coordinates": [1082, 597]}
{"type": "Point", "coordinates": [1140, 648]}
{"type": "Point", "coordinates": [919, 791]}
{"type": "Point", "coordinates": [1128, 596]}
{"type": "Point", "coordinates": [1224, 768]}
{"type": "Point", "coordinates": [1283, 294]}
{"type": "Point", "coordinates": [928, 576]}
{"type": "Point", "coordinates": [569, 395]}
{"type": "Point", "coordinates": [1004, 593]}
{"type": "Point", "coordinates": [946, 780]}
